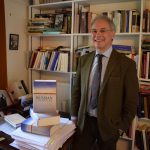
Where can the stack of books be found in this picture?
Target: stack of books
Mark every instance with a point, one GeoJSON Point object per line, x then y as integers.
{"type": "Point", "coordinates": [44, 129]}
{"type": "Point", "coordinates": [44, 137]}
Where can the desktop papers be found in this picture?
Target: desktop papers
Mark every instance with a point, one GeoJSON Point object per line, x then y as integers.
{"type": "Point", "coordinates": [39, 142]}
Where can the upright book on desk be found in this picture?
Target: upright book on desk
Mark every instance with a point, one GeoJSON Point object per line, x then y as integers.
{"type": "Point", "coordinates": [44, 96]}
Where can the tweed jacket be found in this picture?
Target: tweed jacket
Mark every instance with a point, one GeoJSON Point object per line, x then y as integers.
{"type": "Point", "coordinates": [117, 102]}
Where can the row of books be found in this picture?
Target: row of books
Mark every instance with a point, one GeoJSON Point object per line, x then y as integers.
{"type": "Point", "coordinates": [125, 20]}
{"type": "Point", "coordinates": [50, 22]}
{"type": "Point", "coordinates": [50, 60]}
{"type": "Point", "coordinates": [128, 50]}
{"type": "Point", "coordinates": [145, 62]}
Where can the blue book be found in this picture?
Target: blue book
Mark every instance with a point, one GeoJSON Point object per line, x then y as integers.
{"type": "Point", "coordinates": [122, 47]}
{"type": "Point", "coordinates": [54, 60]}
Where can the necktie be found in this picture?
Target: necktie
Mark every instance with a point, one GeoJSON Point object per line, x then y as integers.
{"type": "Point", "coordinates": [95, 87]}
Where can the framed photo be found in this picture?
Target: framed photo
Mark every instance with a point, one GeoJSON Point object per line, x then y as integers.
{"type": "Point", "coordinates": [59, 20]}
{"type": "Point", "coordinates": [13, 41]}
{"type": "Point", "coordinates": [4, 99]}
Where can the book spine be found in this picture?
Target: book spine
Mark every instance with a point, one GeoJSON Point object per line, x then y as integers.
{"type": "Point", "coordinates": [122, 47]}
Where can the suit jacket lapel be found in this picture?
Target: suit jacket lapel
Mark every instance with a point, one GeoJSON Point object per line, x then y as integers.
{"type": "Point", "coordinates": [111, 64]}
{"type": "Point", "coordinates": [87, 70]}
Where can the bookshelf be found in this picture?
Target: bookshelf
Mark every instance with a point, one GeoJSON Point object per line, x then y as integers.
{"type": "Point", "coordinates": [127, 34]}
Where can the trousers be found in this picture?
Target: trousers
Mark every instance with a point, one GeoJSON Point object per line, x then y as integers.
{"type": "Point", "coordinates": [90, 138]}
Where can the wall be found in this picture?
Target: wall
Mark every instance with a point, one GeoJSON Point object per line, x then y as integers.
{"type": "Point", "coordinates": [16, 14]}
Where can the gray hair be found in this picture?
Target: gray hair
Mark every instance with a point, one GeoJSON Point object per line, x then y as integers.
{"type": "Point", "coordinates": [105, 18]}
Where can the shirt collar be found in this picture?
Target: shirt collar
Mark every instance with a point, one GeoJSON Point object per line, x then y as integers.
{"type": "Point", "coordinates": [107, 53]}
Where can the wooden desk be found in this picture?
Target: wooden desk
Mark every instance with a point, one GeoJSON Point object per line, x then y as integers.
{"type": "Point", "coordinates": [6, 129]}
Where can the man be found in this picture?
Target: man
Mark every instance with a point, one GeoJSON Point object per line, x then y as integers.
{"type": "Point", "coordinates": [116, 102]}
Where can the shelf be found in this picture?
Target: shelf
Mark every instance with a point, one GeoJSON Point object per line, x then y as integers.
{"type": "Point", "coordinates": [50, 34]}
{"type": "Point", "coordinates": [88, 2]}
{"type": "Point", "coordinates": [142, 79]}
{"type": "Point", "coordinates": [117, 34]}
{"type": "Point", "coordinates": [62, 5]}
{"type": "Point", "coordinates": [82, 34]}
{"type": "Point", "coordinates": [146, 33]}
{"type": "Point", "coordinates": [50, 71]}
{"type": "Point", "coordinates": [128, 34]}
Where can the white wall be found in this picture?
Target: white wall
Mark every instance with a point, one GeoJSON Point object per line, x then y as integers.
{"type": "Point", "coordinates": [16, 14]}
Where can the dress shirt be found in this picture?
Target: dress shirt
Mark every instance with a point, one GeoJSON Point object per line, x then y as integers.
{"type": "Point", "coordinates": [105, 59]}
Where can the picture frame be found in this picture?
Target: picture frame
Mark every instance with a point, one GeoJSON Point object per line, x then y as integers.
{"type": "Point", "coordinates": [59, 20]}
{"type": "Point", "coordinates": [4, 95]}
{"type": "Point", "coordinates": [13, 41]}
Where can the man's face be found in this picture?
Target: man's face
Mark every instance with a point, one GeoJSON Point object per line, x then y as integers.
{"type": "Point", "coordinates": [102, 35]}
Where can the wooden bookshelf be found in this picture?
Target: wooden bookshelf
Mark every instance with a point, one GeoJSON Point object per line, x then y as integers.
{"type": "Point", "coordinates": [77, 38]}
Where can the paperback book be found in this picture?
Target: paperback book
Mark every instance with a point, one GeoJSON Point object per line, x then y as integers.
{"type": "Point", "coordinates": [14, 119]}
{"type": "Point", "coordinates": [44, 96]}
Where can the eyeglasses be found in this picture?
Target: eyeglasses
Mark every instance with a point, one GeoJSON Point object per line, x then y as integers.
{"type": "Point", "coordinates": [102, 31]}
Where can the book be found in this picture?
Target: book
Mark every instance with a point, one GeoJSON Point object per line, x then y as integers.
{"type": "Point", "coordinates": [35, 141]}
{"type": "Point", "coordinates": [135, 21]}
{"type": "Point", "coordinates": [29, 125]}
{"type": "Point", "coordinates": [127, 48]}
{"type": "Point", "coordinates": [14, 119]}
{"type": "Point", "coordinates": [45, 119]}
{"type": "Point", "coordinates": [56, 56]}
{"type": "Point", "coordinates": [44, 96]}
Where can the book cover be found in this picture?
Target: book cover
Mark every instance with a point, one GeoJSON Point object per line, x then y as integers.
{"type": "Point", "coordinates": [45, 119]}
{"type": "Point", "coordinates": [44, 96]}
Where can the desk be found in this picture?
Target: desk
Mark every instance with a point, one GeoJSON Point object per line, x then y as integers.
{"type": "Point", "coordinates": [6, 129]}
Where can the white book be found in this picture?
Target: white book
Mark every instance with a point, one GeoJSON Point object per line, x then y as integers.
{"type": "Point", "coordinates": [44, 96]}
{"type": "Point", "coordinates": [14, 119]}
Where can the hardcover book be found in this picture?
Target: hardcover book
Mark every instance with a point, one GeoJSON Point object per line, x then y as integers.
{"type": "Point", "coordinates": [45, 119]}
{"type": "Point", "coordinates": [29, 125]}
{"type": "Point", "coordinates": [44, 96]}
